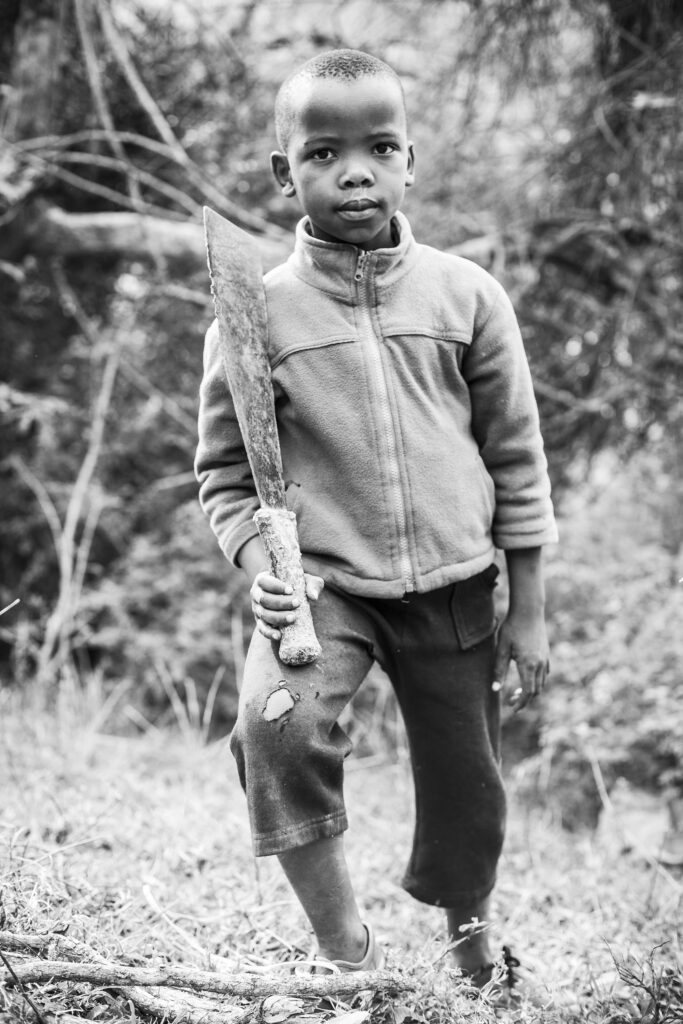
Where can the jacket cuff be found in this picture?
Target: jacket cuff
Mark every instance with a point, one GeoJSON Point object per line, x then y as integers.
{"type": "Point", "coordinates": [534, 537]}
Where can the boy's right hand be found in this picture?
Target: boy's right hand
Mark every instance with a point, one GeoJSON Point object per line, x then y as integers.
{"type": "Point", "coordinates": [274, 604]}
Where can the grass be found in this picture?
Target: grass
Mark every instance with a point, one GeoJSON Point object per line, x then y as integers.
{"type": "Point", "coordinates": [139, 848]}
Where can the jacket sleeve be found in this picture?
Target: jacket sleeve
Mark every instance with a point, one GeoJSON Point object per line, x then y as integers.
{"type": "Point", "coordinates": [226, 487]}
{"type": "Point", "coordinates": [505, 424]}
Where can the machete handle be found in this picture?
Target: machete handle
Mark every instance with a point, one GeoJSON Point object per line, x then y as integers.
{"type": "Point", "coordinates": [277, 527]}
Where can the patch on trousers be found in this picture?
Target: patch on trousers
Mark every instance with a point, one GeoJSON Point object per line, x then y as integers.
{"type": "Point", "coordinates": [279, 702]}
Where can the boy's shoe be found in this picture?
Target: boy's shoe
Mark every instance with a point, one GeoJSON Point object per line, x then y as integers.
{"type": "Point", "coordinates": [505, 987]}
{"type": "Point", "coordinates": [372, 961]}
{"type": "Point", "coordinates": [503, 970]}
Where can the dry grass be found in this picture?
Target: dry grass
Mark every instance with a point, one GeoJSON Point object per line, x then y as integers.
{"type": "Point", "coordinates": [139, 848]}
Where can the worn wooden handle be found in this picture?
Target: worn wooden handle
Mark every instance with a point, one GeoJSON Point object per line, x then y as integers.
{"type": "Point", "coordinates": [277, 526]}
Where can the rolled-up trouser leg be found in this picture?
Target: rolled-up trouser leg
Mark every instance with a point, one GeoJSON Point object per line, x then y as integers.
{"type": "Point", "coordinates": [452, 721]}
{"type": "Point", "coordinates": [288, 745]}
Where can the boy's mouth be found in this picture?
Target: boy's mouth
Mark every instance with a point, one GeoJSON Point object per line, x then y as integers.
{"type": "Point", "coordinates": [358, 205]}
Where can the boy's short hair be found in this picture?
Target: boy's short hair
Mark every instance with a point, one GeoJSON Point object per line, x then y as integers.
{"type": "Point", "coordinates": [342, 65]}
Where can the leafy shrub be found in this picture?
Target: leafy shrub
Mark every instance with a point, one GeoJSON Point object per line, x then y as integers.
{"type": "Point", "coordinates": [616, 692]}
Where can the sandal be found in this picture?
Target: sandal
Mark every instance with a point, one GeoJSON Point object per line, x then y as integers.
{"type": "Point", "coordinates": [501, 972]}
{"type": "Point", "coordinates": [503, 987]}
{"type": "Point", "coordinates": [373, 960]}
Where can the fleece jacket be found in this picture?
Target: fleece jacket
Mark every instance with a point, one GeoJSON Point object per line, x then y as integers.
{"type": "Point", "coordinates": [406, 414]}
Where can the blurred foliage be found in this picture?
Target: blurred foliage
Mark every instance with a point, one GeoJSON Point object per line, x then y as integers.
{"type": "Point", "coordinates": [549, 147]}
{"type": "Point", "coordinates": [616, 695]}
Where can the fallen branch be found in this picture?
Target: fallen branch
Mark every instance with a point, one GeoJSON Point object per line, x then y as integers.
{"type": "Point", "coordinates": [200, 995]}
{"type": "Point", "coordinates": [239, 986]}
{"type": "Point", "coordinates": [51, 231]}
{"type": "Point", "coordinates": [191, 1009]}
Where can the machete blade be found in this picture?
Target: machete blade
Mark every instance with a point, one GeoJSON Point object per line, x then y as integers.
{"type": "Point", "coordinates": [239, 300]}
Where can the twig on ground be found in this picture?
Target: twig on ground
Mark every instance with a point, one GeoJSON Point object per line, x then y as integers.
{"type": "Point", "coordinates": [241, 986]}
{"type": "Point", "coordinates": [180, 1005]}
{"type": "Point", "coordinates": [173, 1004]}
{"type": "Point", "coordinates": [198, 997]}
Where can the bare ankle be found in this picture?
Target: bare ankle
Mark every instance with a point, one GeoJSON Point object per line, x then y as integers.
{"type": "Point", "coordinates": [471, 959]}
{"type": "Point", "coordinates": [350, 944]}
{"type": "Point", "coordinates": [468, 928]}
{"type": "Point", "coordinates": [319, 876]}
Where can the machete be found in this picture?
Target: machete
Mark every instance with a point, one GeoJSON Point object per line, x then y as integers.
{"type": "Point", "coordinates": [240, 303]}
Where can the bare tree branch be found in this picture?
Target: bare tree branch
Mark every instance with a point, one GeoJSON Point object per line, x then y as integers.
{"type": "Point", "coordinates": [92, 187]}
{"type": "Point", "coordinates": [55, 642]}
{"type": "Point", "coordinates": [240, 986]}
{"type": "Point", "coordinates": [42, 496]}
{"type": "Point", "coordinates": [176, 195]}
{"type": "Point", "coordinates": [172, 408]}
{"type": "Point", "coordinates": [146, 101]}
{"type": "Point", "coordinates": [100, 99]}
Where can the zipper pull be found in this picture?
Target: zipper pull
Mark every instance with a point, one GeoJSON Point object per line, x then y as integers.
{"type": "Point", "coordinates": [360, 265]}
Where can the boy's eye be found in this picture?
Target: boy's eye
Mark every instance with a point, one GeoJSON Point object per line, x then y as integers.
{"type": "Point", "coordinates": [324, 153]}
{"type": "Point", "coordinates": [384, 148]}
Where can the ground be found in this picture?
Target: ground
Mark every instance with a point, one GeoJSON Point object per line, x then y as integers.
{"type": "Point", "coordinates": [139, 848]}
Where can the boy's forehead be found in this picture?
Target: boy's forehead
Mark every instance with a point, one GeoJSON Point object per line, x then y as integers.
{"type": "Point", "coordinates": [326, 102]}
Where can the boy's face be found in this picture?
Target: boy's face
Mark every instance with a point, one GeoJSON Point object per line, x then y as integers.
{"type": "Point", "coordinates": [348, 159]}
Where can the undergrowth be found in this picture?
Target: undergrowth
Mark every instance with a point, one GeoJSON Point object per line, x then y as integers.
{"type": "Point", "coordinates": [139, 848]}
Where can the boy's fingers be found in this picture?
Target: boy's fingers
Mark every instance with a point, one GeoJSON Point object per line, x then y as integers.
{"type": "Point", "coordinates": [276, 619]}
{"type": "Point", "coordinates": [532, 678]}
{"type": "Point", "coordinates": [275, 602]}
{"type": "Point", "coordinates": [542, 673]}
{"type": "Point", "coordinates": [267, 583]}
{"type": "Point", "coordinates": [520, 696]}
{"type": "Point", "coordinates": [271, 634]}
{"type": "Point", "coordinates": [271, 600]}
{"type": "Point", "coordinates": [274, 605]}
{"type": "Point", "coordinates": [520, 700]}
{"type": "Point", "coordinates": [501, 665]}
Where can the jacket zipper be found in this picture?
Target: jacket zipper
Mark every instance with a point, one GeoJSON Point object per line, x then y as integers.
{"type": "Point", "coordinates": [374, 350]}
{"type": "Point", "coordinates": [360, 265]}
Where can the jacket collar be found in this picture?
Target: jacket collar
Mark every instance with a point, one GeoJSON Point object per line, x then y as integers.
{"type": "Point", "coordinates": [331, 266]}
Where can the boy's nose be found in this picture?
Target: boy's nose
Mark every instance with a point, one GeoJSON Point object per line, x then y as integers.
{"type": "Point", "coordinates": [356, 175]}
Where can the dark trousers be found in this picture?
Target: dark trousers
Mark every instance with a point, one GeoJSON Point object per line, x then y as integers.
{"type": "Point", "coordinates": [438, 651]}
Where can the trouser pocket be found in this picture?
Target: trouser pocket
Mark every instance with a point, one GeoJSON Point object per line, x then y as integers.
{"type": "Point", "coordinates": [472, 607]}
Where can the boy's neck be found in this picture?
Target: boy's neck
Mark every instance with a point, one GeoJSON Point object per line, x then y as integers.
{"type": "Point", "coordinates": [392, 243]}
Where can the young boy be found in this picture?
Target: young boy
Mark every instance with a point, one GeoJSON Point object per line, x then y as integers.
{"type": "Point", "coordinates": [411, 449]}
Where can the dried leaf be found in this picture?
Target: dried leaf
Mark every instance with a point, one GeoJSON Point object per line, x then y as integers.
{"type": "Point", "coordinates": [275, 1009]}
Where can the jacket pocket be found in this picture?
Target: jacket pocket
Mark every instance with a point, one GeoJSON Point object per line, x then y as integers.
{"type": "Point", "coordinates": [472, 607]}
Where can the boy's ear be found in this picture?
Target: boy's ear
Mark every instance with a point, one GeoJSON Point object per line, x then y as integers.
{"type": "Point", "coordinates": [410, 171]}
{"type": "Point", "coordinates": [280, 167]}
